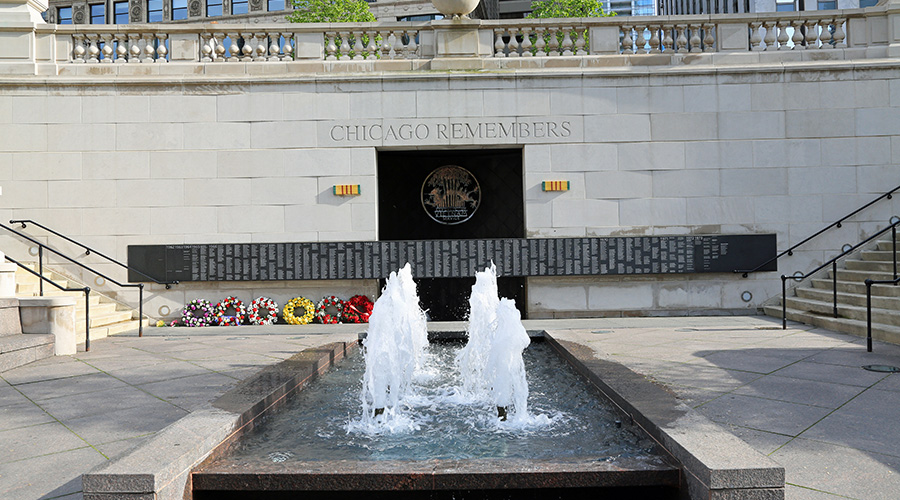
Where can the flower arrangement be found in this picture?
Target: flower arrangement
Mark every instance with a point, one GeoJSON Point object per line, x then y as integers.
{"type": "Point", "coordinates": [199, 312]}
{"type": "Point", "coordinates": [302, 302]}
{"type": "Point", "coordinates": [239, 311]}
{"type": "Point", "coordinates": [322, 314]}
{"type": "Point", "coordinates": [160, 324]}
{"type": "Point", "coordinates": [265, 305]}
{"type": "Point", "coordinates": [357, 309]}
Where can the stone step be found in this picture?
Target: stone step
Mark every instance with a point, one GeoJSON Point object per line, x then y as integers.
{"type": "Point", "coordinates": [855, 299]}
{"type": "Point", "coordinates": [21, 349]}
{"type": "Point", "coordinates": [104, 320]}
{"type": "Point", "coordinates": [887, 245]}
{"type": "Point", "coordinates": [108, 330]}
{"type": "Point", "coordinates": [883, 316]}
{"type": "Point", "coordinates": [870, 265]}
{"type": "Point", "coordinates": [97, 310]}
{"type": "Point", "coordinates": [886, 333]}
{"type": "Point", "coordinates": [861, 276]}
{"type": "Point", "coordinates": [858, 287]}
{"type": "Point", "coordinates": [878, 255]}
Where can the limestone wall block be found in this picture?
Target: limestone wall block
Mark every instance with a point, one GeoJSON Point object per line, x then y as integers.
{"type": "Point", "coordinates": [249, 163]}
{"type": "Point", "coordinates": [536, 158]}
{"type": "Point", "coordinates": [686, 183]}
{"type": "Point", "coordinates": [309, 105]}
{"type": "Point", "coordinates": [581, 213]}
{"type": "Point", "coordinates": [140, 137]}
{"type": "Point", "coordinates": [75, 194]}
{"type": "Point", "coordinates": [42, 166]}
{"type": "Point", "coordinates": [683, 126]}
{"type": "Point", "coordinates": [618, 184]}
{"type": "Point", "coordinates": [25, 138]}
{"type": "Point", "coordinates": [287, 134]}
{"type": "Point", "coordinates": [121, 221]}
{"type": "Point", "coordinates": [46, 109]}
{"type": "Point", "coordinates": [754, 181]}
{"type": "Point", "coordinates": [751, 125]}
{"type": "Point", "coordinates": [599, 100]}
{"type": "Point", "coordinates": [873, 151]}
{"type": "Point", "coordinates": [216, 135]}
{"type": "Point", "coordinates": [150, 192]}
{"type": "Point", "coordinates": [250, 219]}
{"type": "Point", "coordinates": [183, 108]}
{"type": "Point", "coordinates": [583, 157]}
{"type": "Point", "coordinates": [776, 209]}
{"type": "Point", "coordinates": [283, 191]}
{"type": "Point", "coordinates": [732, 210]}
{"type": "Point", "coordinates": [183, 220]}
{"type": "Point", "coordinates": [544, 296]}
{"type": "Point", "coordinates": [538, 216]}
{"type": "Point", "coordinates": [698, 98]}
{"type": "Point", "coordinates": [399, 104]}
{"type": "Point", "coordinates": [254, 106]}
{"type": "Point", "coordinates": [217, 192]}
{"type": "Point", "coordinates": [317, 162]}
{"type": "Point", "coordinates": [651, 156]}
{"type": "Point", "coordinates": [104, 165]}
{"type": "Point", "coordinates": [318, 218]}
{"type": "Point", "coordinates": [821, 123]}
{"type": "Point", "coordinates": [641, 212]}
{"type": "Point", "coordinates": [616, 128]}
{"type": "Point", "coordinates": [822, 180]}
{"type": "Point", "coordinates": [363, 161]}
{"type": "Point", "coordinates": [621, 296]}
{"type": "Point", "coordinates": [802, 95]}
{"type": "Point", "coordinates": [366, 105]}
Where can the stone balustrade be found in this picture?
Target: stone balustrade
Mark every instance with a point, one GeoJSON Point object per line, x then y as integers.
{"type": "Point", "coordinates": [856, 33]}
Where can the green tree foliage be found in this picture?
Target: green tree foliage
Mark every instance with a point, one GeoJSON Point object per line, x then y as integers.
{"type": "Point", "coordinates": [331, 11]}
{"type": "Point", "coordinates": [547, 9]}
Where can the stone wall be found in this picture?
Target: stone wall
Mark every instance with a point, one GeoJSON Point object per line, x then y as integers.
{"type": "Point", "coordinates": [785, 149]}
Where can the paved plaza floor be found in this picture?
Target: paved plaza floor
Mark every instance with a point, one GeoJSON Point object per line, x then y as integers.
{"type": "Point", "coordinates": [798, 395]}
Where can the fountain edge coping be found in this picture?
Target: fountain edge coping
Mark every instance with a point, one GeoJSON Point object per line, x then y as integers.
{"type": "Point", "coordinates": [715, 462]}
{"type": "Point", "coordinates": [160, 468]}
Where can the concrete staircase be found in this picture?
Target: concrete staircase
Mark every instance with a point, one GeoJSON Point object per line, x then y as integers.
{"type": "Point", "coordinates": [16, 348]}
{"type": "Point", "coordinates": [812, 301]}
{"type": "Point", "coordinates": [108, 317]}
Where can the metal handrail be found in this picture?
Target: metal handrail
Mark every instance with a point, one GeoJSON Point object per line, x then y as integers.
{"type": "Point", "coordinates": [838, 224]}
{"type": "Point", "coordinates": [833, 264]}
{"type": "Point", "coordinates": [87, 297]}
{"type": "Point", "coordinates": [869, 282]}
{"type": "Point", "coordinates": [41, 247]}
{"type": "Point", "coordinates": [88, 250]}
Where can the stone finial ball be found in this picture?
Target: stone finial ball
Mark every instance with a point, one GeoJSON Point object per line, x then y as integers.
{"type": "Point", "coordinates": [455, 8]}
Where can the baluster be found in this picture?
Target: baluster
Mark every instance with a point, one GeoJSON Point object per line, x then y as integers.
{"type": "Point", "coordinates": [412, 50]}
{"type": "Point", "coordinates": [567, 42]}
{"type": "Point", "coordinates": [755, 38]}
{"type": "Point", "coordinates": [627, 42]}
{"type": "Point", "coordinates": [372, 45]}
{"type": "Point", "coordinates": [357, 46]}
{"type": "Point", "coordinates": [387, 45]}
{"type": "Point", "coordinates": [345, 45]}
{"type": "Point", "coordinates": [134, 42]}
{"type": "Point", "coordinates": [668, 42]}
{"type": "Point", "coordinates": [554, 41]}
{"type": "Point", "coordinates": [108, 51]}
{"type": "Point", "coordinates": [682, 40]}
{"type": "Point", "coordinates": [233, 54]}
{"type": "Point", "coordinates": [640, 40]}
{"type": "Point", "coordinates": [539, 43]}
{"type": "Point", "coordinates": [275, 46]}
{"type": "Point", "coordinates": [798, 35]}
{"type": "Point", "coordinates": [695, 38]}
{"type": "Point", "coordinates": [93, 51]}
{"type": "Point", "coordinates": [709, 42]}
{"type": "Point", "coordinates": [149, 48]}
{"type": "Point", "coordinates": [499, 46]}
{"type": "Point", "coordinates": [247, 49]}
{"type": "Point", "coordinates": [654, 39]}
{"type": "Point", "coordinates": [399, 47]}
{"type": "Point", "coordinates": [78, 50]}
{"type": "Point", "coordinates": [221, 50]}
{"type": "Point", "coordinates": [839, 34]}
{"type": "Point", "coordinates": [330, 47]}
{"type": "Point", "coordinates": [826, 35]}
{"type": "Point", "coordinates": [161, 50]}
{"type": "Point", "coordinates": [262, 46]}
{"type": "Point", "coordinates": [206, 48]}
{"type": "Point", "coordinates": [580, 42]}
{"type": "Point", "coordinates": [526, 42]}
{"type": "Point", "coordinates": [288, 49]}
{"type": "Point", "coordinates": [770, 34]}
{"type": "Point", "coordinates": [783, 35]}
{"type": "Point", "coordinates": [121, 48]}
{"type": "Point", "coordinates": [812, 35]}
{"type": "Point", "coordinates": [513, 43]}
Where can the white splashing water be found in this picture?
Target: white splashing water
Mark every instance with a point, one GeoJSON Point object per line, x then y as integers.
{"type": "Point", "coordinates": [472, 360]}
{"type": "Point", "coordinates": [394, 351]}
{"type": "Point", "coordinates": [505, 370]}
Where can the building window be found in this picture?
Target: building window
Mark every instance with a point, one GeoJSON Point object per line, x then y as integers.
{"type": "Point", "coordinates": [213, 8]}
{"type": "Point", "coordinates": [784, 5]}
{"type": "Point", "coordinates": [154, 11]}
{"type": "Point", "coordinates": [179, 9]}
{"type": "Point", "coordinates": [867, 3]}
{"type": "Point", "coordinates": [239, 7]}
{"type": "Point", "coordinates": [276, 4]}
{"type": "Point", "coordinates": [120, 11]}
{"type": "Point", "coordinates": [64, 15]}
{"type": "Point", "coordinates": [98, 13]}
{"type": "Point", "coordinates": [827, 5]}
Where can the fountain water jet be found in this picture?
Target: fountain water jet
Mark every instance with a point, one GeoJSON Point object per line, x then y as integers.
{"type": "Point", "coordinates": [395, 346]}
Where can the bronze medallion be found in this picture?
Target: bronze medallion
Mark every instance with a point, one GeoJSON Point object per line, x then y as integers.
{"type": "Point", "coordinates": [450, 195]}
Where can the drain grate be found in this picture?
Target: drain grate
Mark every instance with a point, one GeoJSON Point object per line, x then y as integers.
{"type": "Point", "coordinates": [882, 368]}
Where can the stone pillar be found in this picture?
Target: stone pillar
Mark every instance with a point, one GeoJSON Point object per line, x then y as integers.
{"type": "Point", "coordinates": [460, 44]}
{"type": "Point", "coordinates": [53, 315]}
{"type": "Point", "coordinates": [17, 38]}
{"type": "Point", "coordinates": [893, 26]}
{"type": "Point", "coordinates": [7, 277]}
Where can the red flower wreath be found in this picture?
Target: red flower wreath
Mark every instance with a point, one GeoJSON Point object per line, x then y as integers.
{"type": "Point", "coordinates": [357, 309]}
{"type": "Point", "coordinates": [239, 312]}
{"type": "Point", "coordinates": [323, 316]}
{"type": "Point", "coordinates": [269, 308]}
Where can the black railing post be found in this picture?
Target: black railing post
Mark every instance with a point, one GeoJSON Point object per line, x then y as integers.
{"type": "Point", "coordinates": [141, 310]}
{"type": "Point", "coordinates": [87, 318]}
{"type": "Point", "coordinates": [783, 302]}
{"type": "Point", "coordinates": [41, 269]}
{"type": "Point", "coordinates": [834, 286]}
{"type": "Point", "coordinates": [894, 246]}
{"type": "Point", "coordinates": [869, 315]}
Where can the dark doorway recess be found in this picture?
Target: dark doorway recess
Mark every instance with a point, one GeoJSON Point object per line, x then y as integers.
{"type": "Point", "coordinates": [501, 214]}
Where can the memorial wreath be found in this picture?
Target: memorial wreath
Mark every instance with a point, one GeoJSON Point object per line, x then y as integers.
{"type": "Point", "coordinates": [357, 309]}
{"type": "Point", "coordinates": [322, 313]}
{"type": "Point", "coordinates": [199, 312]}
{"type": "Point", "coordinates": [309, 311]}
{"type": "Point", "coordinates": [239, 311]}
{"type": "Point", "coordinates": [267, 307]}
